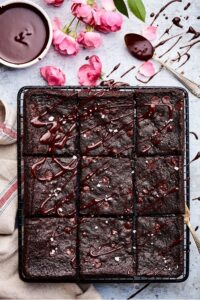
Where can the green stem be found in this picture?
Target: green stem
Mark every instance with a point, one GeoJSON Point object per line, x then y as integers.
{"type": "Point", "coordinates": [67, 27]}
{"type": "Point", "coordinates": [77, 24]}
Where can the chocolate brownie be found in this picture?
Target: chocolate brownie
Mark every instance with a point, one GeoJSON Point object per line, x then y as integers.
{"type": "Point", "coordinates": [106, 123]}
{"type": "Point", "coordinates": [106, 186]}
{"type": "Point", "coordinates": [50, 248]}
{"type": "Point", "coordinates": [50, 186]}
{"type": "Point", "coordinates": [160, 246]}
{"type": "Point", "coordinates": [159, 185]}
{"type": "Point", "coordinates": [50, 125]}
{"type": "Point", "coordinates": [106, 247]}
{"type": "Point", "coordinates": [160, 119]}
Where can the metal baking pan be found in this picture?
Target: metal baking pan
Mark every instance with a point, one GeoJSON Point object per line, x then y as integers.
{"type": "Point", "coordinates": [134, 279]}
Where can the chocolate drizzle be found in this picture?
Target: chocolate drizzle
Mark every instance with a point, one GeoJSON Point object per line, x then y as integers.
{"type": "Point", "coordinates": [114, 69]}
{"type": "Point", "coordinates": [194, 32]}
{"type": "Point", "coordinates": [168, 50]}
{"type": "Point", "coordinates": [129, 70]}
{"type": "Point", "coordinates": [187, 6]}
{"type": "Point", "coordinates": [176, 21]}
{"type": "Point", "coordinates": [163, 8]}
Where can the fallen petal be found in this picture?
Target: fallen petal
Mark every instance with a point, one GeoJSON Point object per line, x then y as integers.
{"type": "Point", "coordinates": [150, 32]}
{"type": "Point", "coordinates": [147, 69]}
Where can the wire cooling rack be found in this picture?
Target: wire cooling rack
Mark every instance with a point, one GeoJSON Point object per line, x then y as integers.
{"type": "Point", "coordinates": [134, 279]}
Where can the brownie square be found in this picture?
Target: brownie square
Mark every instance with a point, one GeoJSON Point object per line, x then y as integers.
{"type": "Point", "coordinates": [160, 121]}
{"type": "Point", "coordinates": [106, 247]}
{"type": "Point", "coordinates": [50, 186]}
{"type": "Point", "coordinates": [160, 246]}
{"type": "Point", "coordinates": [106, 186]}
{"type": "Point", "coordinates": [50, 125]}
{"type": "Point", "coordinates": [159, 185]}
{"type": "Point", "coordinates": [106, 119]}
{"type": "Point", "coordinates": [50, 248]}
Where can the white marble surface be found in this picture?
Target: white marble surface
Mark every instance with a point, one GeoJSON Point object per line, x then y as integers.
{"type": "Point", "coordinates": [113, 52]}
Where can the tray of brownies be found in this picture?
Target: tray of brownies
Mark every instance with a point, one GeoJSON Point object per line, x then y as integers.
{"type": "Point", "coordinates": [103, 180]}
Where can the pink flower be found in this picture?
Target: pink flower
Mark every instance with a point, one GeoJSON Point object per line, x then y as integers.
{"type": "Point", "coordinates": [147, 69]}
{"type": "Point", "coordinates": [64, 43]}
{"type": "Point", "coordinates": [89, 74]}
{"type": "Point", "coordinates": [84, 12]}
{"type": "Point", "coordinates": [108, 5]}
{"type": "Point", "coordinates": [150, 32]}
{"type": "Point", "coordinates": [54, 2]}
{"type": "Point", "coordinates": [109, 21]}
{"type": "Point", "coordinates": [89, 40]}
{"type": "Point", "coordinates": [53, 76]}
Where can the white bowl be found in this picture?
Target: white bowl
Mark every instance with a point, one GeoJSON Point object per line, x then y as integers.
{"type": "Point", "coordinates": [46, 49]}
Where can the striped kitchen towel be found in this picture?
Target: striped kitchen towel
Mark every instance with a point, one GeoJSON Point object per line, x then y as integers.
{"type": "Point", "coordinates": [11, 286]}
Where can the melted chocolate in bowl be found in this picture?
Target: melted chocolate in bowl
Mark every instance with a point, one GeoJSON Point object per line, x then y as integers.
{"type": "Point", "coordinates": [139, 46]}
{"type": "Point", "coordinates": [24, 33]}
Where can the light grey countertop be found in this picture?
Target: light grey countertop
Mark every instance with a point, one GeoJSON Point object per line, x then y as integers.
{"type": "Point", "coordinates": [111, 53]}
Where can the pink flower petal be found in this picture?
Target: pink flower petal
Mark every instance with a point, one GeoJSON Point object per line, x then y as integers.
{"type": "Point", "coordinates": [56, 23]}
{"type": "Point", "coordinates": [55, 3]}
{"type": "Point", "coordinates": [150, 32]}
{"type": "Point", "coordinates": [147, 69]}
{"type": "Point", "coordinates": [90, 73]}
{"type": "Point", "coordinates": [141, 78]}
{"type": "Point", "coordinates": [53, 76]}
{"type": "Point", "coordinates": [108, 5]}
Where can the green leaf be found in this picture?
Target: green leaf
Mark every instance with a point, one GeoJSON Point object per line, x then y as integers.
{"type": "Point", "coordinates": [138, 9]}
{"type": "Point", "coordinates": [121, 7]}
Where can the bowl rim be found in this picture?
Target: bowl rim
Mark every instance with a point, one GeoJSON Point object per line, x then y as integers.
{"type": "Point", "coordinates": [50, 38]}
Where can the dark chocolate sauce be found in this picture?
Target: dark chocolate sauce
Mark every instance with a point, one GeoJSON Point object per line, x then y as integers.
{"type": "Point", "coordinates": [129, 70]}
{"type": "Point", "coordinates": [194, 134]}
{"type": "Point", "coordinates": [111, 83]}
{"type": "Point", "coordinates": [167, 30]}
{"type": "Point", "coordinates": [163, 8]}
{"type": "Point", "coordinates": [197, 156]}
{"type": "Point", "coordinates": [152, 15]}
{"type": "Point", "coordinates": [168, 50]}
{"type": "Point", "coordinates": [194, 32]}
{"type": "Point", "coordinates": [107, 82]}
{"type": "Point", "coordinates": [114, 69]}
{"type": "Point", "coordinates": [198, 18]}
{"type": "Point", "coordinates": [166, 40]}
{"type": "Point", "coordinates": [24, 33]}
{"type": "Point", "coordinates": [180, 56]}
{"type": "Point", "coordinates": [176, 21]}
{"type": "Point", "coordinates": [139, 46]}
{"type": "Point", "coordinates": [187, 6]}
{"type": "Point", "coordinates": [189, 46]}
{"type": "Point", "coordinates": [95, 253]}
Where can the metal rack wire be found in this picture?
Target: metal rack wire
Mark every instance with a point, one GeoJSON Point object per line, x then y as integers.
{"type": "Point", "coordinates": [134, 279]}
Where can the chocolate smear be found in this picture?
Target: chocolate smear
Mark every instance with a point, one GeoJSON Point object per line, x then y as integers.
{"type": "Point", "coordinates": [163, 8]}
{"type": "Point", "coordinates": [114, 69]}
{"type": "Point", "coordinates": [195, 135]}
{"type": "Point", "coordinates": [196, 157]}
{"type": "Point", "coordinates": [187, 6]}
{"type": "Point", "coordinates": [198, 198]}
{"type": "Point", "coordinates": [176, 21]}
{"type": "Point", "coordinates": [129, 70]}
